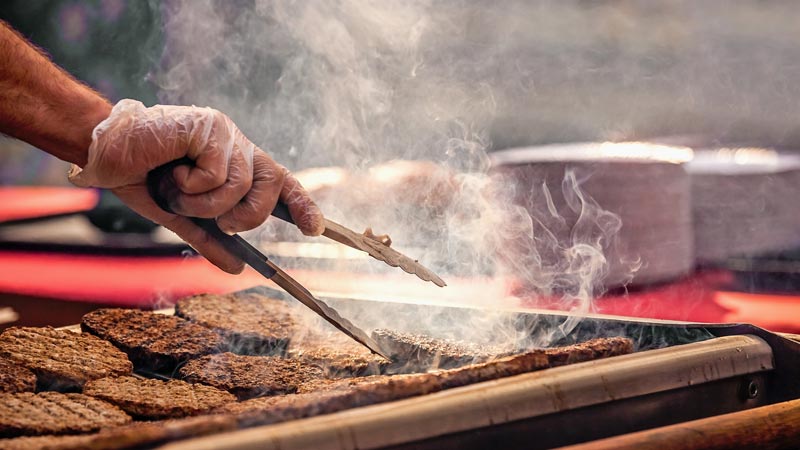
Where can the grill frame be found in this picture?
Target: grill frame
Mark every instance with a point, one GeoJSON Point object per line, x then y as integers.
{"type": "Point", "coordinates": [697, 379]}
{"type": "Point", "coordinates": [770, 361]}
{"type": "Point", "coordinates": [602, 396]}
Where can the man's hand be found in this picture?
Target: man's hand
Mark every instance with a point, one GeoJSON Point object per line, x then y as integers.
{"type": "Point", "coordinates": [232, 180]}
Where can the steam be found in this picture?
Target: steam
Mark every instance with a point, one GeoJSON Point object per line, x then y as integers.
{"type": "Point", "coordinates": [357, 84]}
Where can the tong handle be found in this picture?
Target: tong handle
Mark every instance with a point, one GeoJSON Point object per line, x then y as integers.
{"type": "Point", "coordinates": [162, 187]}
{"type": "Point", "coordinates": [281, 211]}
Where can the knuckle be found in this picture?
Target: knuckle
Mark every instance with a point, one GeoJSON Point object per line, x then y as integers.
{"type": "Point", "coordinates": [214, 179]}
{"type": "Point", "coordinates": [214, 114]}
{"type": "Point", "coordinates": [267, 170]}
{"type": "Point", "coordinates": [221, 174]}
{"type": "Point", "coordinates": [243, 182]}
{"type": "Point", "coordinates": [279, 174]}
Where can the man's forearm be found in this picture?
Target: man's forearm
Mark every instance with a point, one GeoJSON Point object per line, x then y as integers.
{"type": "Point", "coordinates": [42, 104]}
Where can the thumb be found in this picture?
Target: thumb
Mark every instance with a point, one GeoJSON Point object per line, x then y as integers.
{"type": "Point", "coordinates": [139, 200]}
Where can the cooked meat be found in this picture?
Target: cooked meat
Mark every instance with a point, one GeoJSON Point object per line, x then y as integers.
{"type": "Point", "coordinates": [250, 376]}
{"type": "Point", "coordinates": [327, 384]}
{"type": "Point", "coordinates": [267, 410]}
{"type": "Point", "coordinates": [589, 350]}
{"type": "Point", "coordinates": [134, 435]}
{"type": "Point", "coordinates": [15, 378]}
{"type": "Point", "coordinates": [345, 394]}
{"type": "Point", "coordinates": [156, 399]}
{"type": "Point", "coordinates": [48, 442]}
{"type": "Point", "coordinates": [415, 352]}
{"type": "Point", "coordinates": [250, 324]}
{"type": "Point", "coordinates": [154, 342]}
{"type": "Point", "coordinates": [338, 355]}
{"type": "Point", "coordinates": [149, 434]}
{"type": "Point", "coordinates": [62, 360]}
{"type": "Point", "coordinates": [26, 413]}
{"type": "Point", "coordinates": [355, 392]}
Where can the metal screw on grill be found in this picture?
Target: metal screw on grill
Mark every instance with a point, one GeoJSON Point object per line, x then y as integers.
{"type": "Point", "coordinates": [749, 389]}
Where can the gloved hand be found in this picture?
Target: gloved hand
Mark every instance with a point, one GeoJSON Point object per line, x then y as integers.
{"type": "Point", "coordinates": [232, 180]}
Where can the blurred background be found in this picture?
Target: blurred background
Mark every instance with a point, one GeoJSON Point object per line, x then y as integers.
{"type": "Point", "coordinates": [340, 90]}
{"type": "Point", "coordinates": [541, 71]}
{"type": "Point", "coordinates": [110, 45]}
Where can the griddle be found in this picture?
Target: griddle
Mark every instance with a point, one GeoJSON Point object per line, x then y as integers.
{"type": "Point", "coordinates": [679, 372]}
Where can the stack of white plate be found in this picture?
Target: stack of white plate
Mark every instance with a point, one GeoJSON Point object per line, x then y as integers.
{"type": "Point", "coordinates": [746, 201]}
{"type": "Point", "coordinates": [629, 200]}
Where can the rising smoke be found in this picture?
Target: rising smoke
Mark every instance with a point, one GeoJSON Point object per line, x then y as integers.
{"type": "Point", "coordinates": [356, 83]}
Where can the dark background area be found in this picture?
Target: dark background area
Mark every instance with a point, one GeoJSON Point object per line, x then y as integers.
{"type": "Point", "coordinates": [110, 45]}
{"type": "Point", "coordinates": [495, 75]}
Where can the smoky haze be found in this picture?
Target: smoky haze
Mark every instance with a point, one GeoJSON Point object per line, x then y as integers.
{"type": "Point", "coordinates": [355, 83]}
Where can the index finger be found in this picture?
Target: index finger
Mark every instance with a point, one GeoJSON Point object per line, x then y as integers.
{"type": "Point", "coordinates": [304, 211]}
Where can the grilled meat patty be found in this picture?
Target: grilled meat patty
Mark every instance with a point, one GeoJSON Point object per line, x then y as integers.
{"type": "Point", "coordinates": [250, 376]}
{"type": "Point", "coordinates": [62, 360]}
{"type": "Point", "coordinates": [588, 351]}
{"type": "Point", "coordinates": [157, 399]}
{"type": "Point", "coordinates": [48, 442]}
{"type": "Point", "coordinates": [154, 342]}
{"type": "Point", "coordinates": [324, 397]}
{"type": "Point", "coordinates": [328, 384]}
{"type": "Point", "coordinates": [416, 352]}
{"type": "Point", "coordinates": [26, 413]}
{"type": "Point", "coordinates": [337, 354]}
{"type": "Point", "coordinates": [268, 410]}
{"type": "Point", "coordinates": [250, 324]}
{"type": "Point", "coordinates": [15, 378]}
{"type": "Point", "coordinates": [134, 435]}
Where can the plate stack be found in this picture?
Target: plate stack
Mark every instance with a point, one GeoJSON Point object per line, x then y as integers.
{"type": "Point", "coordinates": [630, 201]}
{"type": "Point", "coordinates": [745, 202]}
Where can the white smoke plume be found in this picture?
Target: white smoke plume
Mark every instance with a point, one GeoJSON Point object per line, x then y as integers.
{"type": "Point", "coordinates": [355, 83]}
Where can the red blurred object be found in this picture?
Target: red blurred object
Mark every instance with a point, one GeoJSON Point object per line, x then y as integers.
{"type": "Point", "coordinates": [152, 281]}
{"type": "Point", "coordinates": [125, 281]}
{"type": "Point", "coordinates": [701, 297]}
{"type": "Point", "coordinates": [25, 203]}
{"type": "Point", "coordinates": [135, 281]}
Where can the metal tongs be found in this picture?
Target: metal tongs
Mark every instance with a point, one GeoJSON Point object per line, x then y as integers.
{"type": "Point", "coordinates": [369, 245]}
{"type": "Point", "coordinates": [162, 188]}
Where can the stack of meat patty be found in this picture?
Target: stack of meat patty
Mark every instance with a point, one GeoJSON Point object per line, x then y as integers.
{"type": "Point", "coordinates": [138, 378]}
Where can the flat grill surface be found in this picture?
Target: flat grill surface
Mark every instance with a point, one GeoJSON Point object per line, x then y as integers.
{"type": "Point", "coordinates": [329, 397]}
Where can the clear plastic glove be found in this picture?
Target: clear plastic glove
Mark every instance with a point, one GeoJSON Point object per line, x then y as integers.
{"type": "Point", "coordinates": [232, 180]}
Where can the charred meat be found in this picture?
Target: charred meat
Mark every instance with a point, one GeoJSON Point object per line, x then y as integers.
{"type": "Point", "coordinates": [55, 413]}
{"type": "Point", "coordinates": [49, 442]}
{"type": "Point", "coordinates": [250, 376]}
{"type": "Point", "coordinates": [339, 395]}
{"type": "Point", "coordinates": [587, 351]}
{"type": "Point", "coordinates": [134, 435]}
{"type": "Point", "coordinates": [154, 342]}
{"type": "Point", "coordinates": [250, 324]}
{"type": "Point", "coordinates": [15, 378]}
{"type": "Point", "coordinates": [419, 352]}
{"type": "Point", "coordinates": [78, 359]}
{"type": "Point", "coordinates": [156, 399]}
{"type": "Point", "coordinates": [338, 355]}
